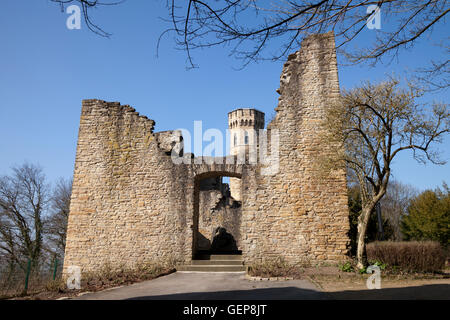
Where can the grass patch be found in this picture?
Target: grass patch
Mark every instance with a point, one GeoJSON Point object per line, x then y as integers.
{"type": "Point", "coordinates": [274, 267]}
{"type": "Point", "coordinates": [105, 278]}
{"type": "Point", "coordinates": [109, 277]}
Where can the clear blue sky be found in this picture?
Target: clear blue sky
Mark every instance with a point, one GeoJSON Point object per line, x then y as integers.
{"type": "Point", "coordinates": [47, 69]}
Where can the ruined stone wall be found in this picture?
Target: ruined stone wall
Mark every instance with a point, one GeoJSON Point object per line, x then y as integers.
{"type": "Point", "coordinates": [129, 201]}
{"type": "Point", "coordinates": [298, 214]}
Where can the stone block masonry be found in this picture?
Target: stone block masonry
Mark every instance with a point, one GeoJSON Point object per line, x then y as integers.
{"type": "Point", "coordinates": [131, 204]}
{"type": "Point", "coordinates": [298, 213]}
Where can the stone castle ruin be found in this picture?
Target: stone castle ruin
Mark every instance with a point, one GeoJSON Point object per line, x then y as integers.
{"type": "Point", "coordinates": [131, 203]}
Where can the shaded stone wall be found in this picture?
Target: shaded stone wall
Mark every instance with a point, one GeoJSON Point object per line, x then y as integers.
{"type": "Point", "coordinates": [217, 209]}
{"type": "Point", "coordinates": [130, 203]}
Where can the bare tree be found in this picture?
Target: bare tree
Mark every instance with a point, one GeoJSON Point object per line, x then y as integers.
{"type": "Point", "coordinates": [395, 205]}
{"type": "Point", "coordinates": [56, 223]}
{"type": "Point", "coordinates": [437, 74]}
{"type": "Point", "coordinates": [372, 125]}
{"type": "Point", "coordinates": [24, 197]}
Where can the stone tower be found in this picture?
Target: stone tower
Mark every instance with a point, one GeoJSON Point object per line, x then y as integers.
{"type": "Point", "coordinates": [244, 125]}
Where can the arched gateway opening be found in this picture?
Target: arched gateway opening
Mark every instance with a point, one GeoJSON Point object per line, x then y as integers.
{"type": "Point", "coordinates": [217, 216]}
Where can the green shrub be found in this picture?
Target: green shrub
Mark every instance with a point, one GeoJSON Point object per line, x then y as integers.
{"type": "Point", "coordinates": [379, 264]}
{"type": "Point", "coordinates": [413, 256]}
{"type": "Point", "coordinates": [346, 267]}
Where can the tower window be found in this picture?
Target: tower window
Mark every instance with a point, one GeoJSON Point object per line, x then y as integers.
{"type": "Point", "coordinates": [235, 140]}
{"type": "Point", "coordinates": [246, 138]}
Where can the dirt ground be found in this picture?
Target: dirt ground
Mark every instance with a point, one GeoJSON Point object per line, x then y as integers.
{"type": "Point", "coordinates": [344, 286]}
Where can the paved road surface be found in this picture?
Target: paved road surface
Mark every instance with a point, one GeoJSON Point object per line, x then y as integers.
{"type": "Point", "coordinates": [211, 286]}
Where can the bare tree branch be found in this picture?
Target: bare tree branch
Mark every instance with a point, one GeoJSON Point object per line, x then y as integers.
{"type": "Point", "coordinates": [271, 30]}
{"type": "Point", "coordinates": [251, 27]}
{"type": "Point", "coordinates": [86, 7]}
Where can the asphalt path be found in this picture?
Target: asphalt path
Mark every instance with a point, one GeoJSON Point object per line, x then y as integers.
{"type": "Point", "coordinates": [211, 286]}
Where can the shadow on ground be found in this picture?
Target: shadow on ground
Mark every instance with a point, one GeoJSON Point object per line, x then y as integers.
{"type": "Point", "coordinates": [285, 293]}
{"type": "Point", "coordinates": [426, 292]}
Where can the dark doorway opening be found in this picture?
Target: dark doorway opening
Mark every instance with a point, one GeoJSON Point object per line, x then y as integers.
{"type": "Point", "coordinates": [217, 217]}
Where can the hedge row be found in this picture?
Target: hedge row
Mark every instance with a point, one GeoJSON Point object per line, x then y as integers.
{"type": "Point", "coordinates": [410, 256]}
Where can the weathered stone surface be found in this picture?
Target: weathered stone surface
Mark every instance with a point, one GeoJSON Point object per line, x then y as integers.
{"type": "Point", "coordinates": [217, 209]}
{"type": "Point", "coordinates": [131, 203]}
{"type": "Point", "coordinates": [297, 213]}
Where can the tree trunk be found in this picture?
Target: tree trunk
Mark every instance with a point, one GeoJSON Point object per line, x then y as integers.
{"type": "Point", "coordinates": [363, 220]}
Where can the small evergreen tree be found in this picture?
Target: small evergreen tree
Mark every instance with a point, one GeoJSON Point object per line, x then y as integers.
{"type": "Point", "coordinates": [429, 217]}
